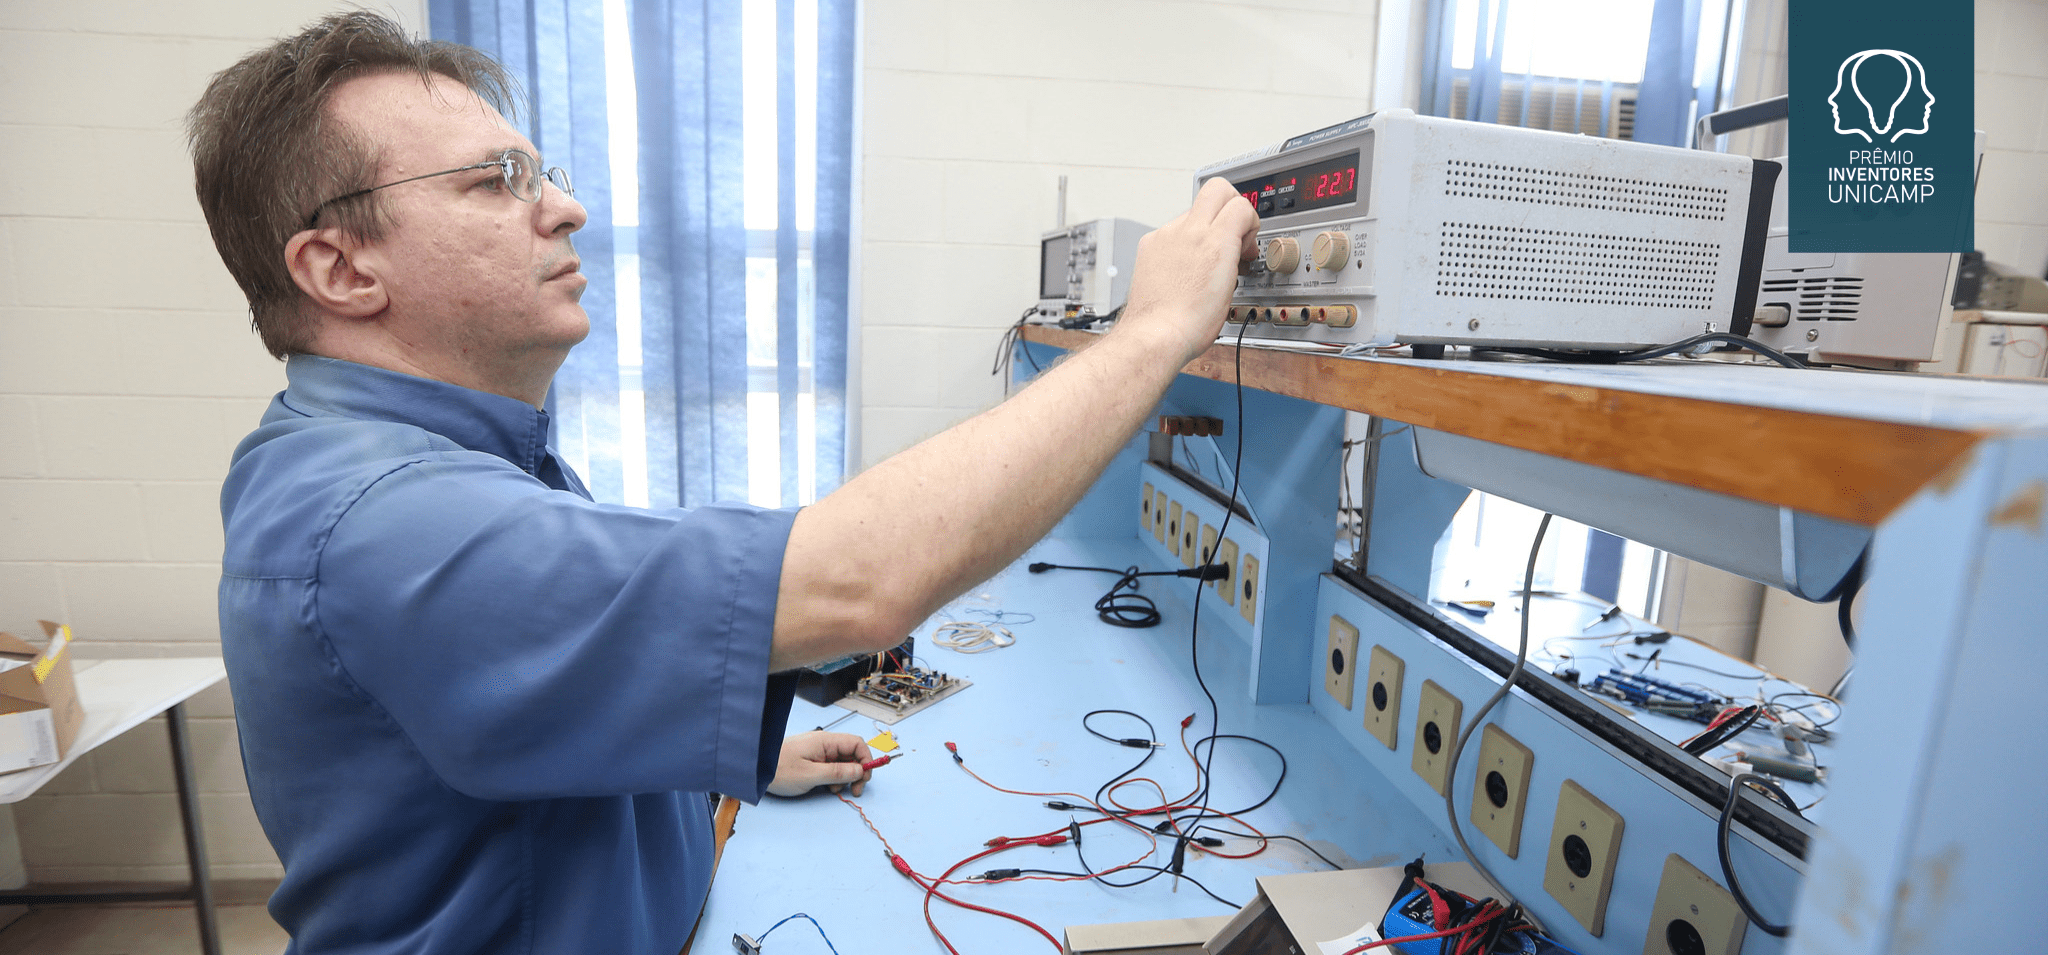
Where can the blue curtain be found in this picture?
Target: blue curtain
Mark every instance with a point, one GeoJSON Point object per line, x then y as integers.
{"type": "Point", "coordinates": [694, 375]}
{"type": "Point", "coordinates": [1665, 100]}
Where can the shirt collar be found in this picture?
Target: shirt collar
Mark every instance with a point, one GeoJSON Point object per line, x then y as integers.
{"type": "Point", "coordinates": [493, 424]}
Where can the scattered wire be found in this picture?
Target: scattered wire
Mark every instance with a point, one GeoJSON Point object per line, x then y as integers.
{"type": "Point", "coordinates": [1735, 788]}
{"type": "Point", "coordinates": [1725, 727]}
{"type": "Point", "coordinates": [1852, 584]}
{"type": "Point", "coordinates": [965, 636]}
{"type": "Point", "coordinates": [1818, 699]}
{"type": "Point", "coordinates": [1007, 347]}
{"type": "Point", "coordinates": [1004, 616]}
{"type": "Point", "coordinates": [1514, 673]}
{"type": "Point", "coordinates": [1195, 618]}
{"type": "Point", "coordinates": [757, 940]}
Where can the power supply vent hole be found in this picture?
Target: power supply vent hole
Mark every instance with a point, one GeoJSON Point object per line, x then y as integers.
{"type": "Point", "coordinates": [1506, 183]}
{"type": "Point", "coordinates": [1476, 260]}
{"type": "Point", "coordinates": [1833, 298]}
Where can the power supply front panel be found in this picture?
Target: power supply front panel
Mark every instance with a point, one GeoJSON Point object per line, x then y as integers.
{"type": "Point", "coordinates": [1477, 234]}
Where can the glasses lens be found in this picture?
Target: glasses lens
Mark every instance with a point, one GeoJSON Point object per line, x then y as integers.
{"type": "Point", "coordinates": [560, 177]}
{"type": "Point", "coordinates": [520, 176]}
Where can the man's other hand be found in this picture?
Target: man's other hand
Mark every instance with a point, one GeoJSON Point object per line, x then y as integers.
{"type": "Point", "coordinates": [818, 758]}
{"type": "Point", "coordinates": [1187, 269]}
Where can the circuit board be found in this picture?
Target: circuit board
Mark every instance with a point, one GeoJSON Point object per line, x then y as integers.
{"type": "Point", "coordinates": [889, 695]}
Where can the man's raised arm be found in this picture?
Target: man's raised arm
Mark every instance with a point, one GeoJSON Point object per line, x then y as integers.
{"type": "Point", "coordinates": [869, 562]}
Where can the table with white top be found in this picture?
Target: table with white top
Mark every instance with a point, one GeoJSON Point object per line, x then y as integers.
{"type": "Point", "coordinates": [119, 695]}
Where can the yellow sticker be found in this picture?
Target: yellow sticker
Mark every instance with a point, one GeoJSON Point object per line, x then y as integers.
{"type": "Point", "coordinates": [49, 661]}
{"type": "Point", "coordinates": [884, 741]}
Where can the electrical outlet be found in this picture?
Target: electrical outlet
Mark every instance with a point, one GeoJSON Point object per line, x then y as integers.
{"type": "Point", "coordinates": [1693, 915]}
{"type": "Point", "coordinates": [1248, 588]}
{"type": "Point", "coordinates": [1159, 516]}
{"type": "Point", "coordinates": [1226, 585]}
{"type": "Point", "coordinates": [1383, 697]}
{"type": "Point", "coordinates": [1584, 842]}
{"type": "Point", "coordinates": [1437, 718]}
{"type": "Point", "coordinates": [1340, 667]}
{"type": "Point", "coordinates": [1190, 523]}
{"type": "Point", "coordinates": [1145, 509]}
{"type": "Point", "coordinates": [1173, 517]}
{"type": "Point", "coordinates": [1208, 551]}
{"type": "Point", "coordinates": [1500, 788]}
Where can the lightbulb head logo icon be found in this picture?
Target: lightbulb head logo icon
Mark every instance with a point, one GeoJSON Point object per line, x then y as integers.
{"type": "Point", "coordinates": [1863, 92]}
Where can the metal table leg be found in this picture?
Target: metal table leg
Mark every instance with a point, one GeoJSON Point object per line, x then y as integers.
{"type": "Point", "coordinates": [195, 838]}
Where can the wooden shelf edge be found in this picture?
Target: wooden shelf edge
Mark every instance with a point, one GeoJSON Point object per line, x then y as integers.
{"type": "Point", "coordinates": [1849, 469]}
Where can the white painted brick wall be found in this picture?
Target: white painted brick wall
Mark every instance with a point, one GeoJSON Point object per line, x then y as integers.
{"type": "Point", "coordinates": [127, 373]}
{"type": "Point", "coordinates": [973, 109]}
{"type": "Point", "coordinates": [2012, 109]}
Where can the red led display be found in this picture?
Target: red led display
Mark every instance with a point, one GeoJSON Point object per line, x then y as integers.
{"type": "Point", "coordinates": [1333, 181]}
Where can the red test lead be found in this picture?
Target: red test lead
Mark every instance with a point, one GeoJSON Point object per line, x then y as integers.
{"type": "Point", "coordinates": [882, 760]}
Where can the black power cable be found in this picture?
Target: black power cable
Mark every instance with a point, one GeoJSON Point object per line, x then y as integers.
{"type": "Point", "coordinates": [1195, 619]}
{"type": "Point", "coordinates": [1133, 609]}
{"type": "Point", "coordinates": [1721, 834]}
{"type": "Point", "coordinates": [1659, 351]}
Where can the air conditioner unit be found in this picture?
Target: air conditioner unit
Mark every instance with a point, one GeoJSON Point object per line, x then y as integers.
{"type": "Point", "coordinates": [1558, 105]}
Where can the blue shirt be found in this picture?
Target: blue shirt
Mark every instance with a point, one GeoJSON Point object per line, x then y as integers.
{"type": "Point", "coordinates": [479, 711]}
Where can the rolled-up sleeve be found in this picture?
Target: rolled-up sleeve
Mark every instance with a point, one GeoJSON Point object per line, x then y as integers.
{"type": "Point", "coordinates": [533, 644]}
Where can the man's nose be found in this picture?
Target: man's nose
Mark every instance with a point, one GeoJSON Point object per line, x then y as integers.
{"type": "Point", "coordinates": [559, 213]}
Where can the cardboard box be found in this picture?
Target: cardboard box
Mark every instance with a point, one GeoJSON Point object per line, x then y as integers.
{"type": "Point", "coordinates": [1163, 937]}
{"type": "Point", "coordinates": [39, 709]}
{"type": "Point", "coordinates": [1295, 913]}
{"type": "Point", "coordinates": [1292, 915]}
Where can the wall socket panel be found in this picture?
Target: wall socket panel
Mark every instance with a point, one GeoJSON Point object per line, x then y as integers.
{"type": "Point", "coordinates": [1693, 914]}
{"type": "Point", "coordinates": [1437, 717]}
{"type": "Point", "coordinates": [1383, 697]}
{"type": "Point", "coordinates": [1248, 585]}
{"type": "Point", "coordinates": [1173, 519]}
{"type": "Point", "coordinates": [1340, 664]}
{"type": "Point", "coordinates": [1226, 587]}
{"type": "Point", "coordinates": [1500, 788]}
{"type": "Point", "coordinates": [1145, 508]}
{"type": "Point", "coordinates": [1188, 524]}
{"type": "Point", "coordinates": [1584, 843]}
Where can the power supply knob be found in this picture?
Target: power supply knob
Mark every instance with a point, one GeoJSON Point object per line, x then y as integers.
{"type": "Point", "coordinates": [1283, 255]}
{"type": "Point", "coordinates": [1331, 251]}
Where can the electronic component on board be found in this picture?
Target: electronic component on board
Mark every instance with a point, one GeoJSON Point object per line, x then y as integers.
{"type": "Point", "coordinates": [885, 686]}
{"type": "Point", "coordinates": [1398, 228]}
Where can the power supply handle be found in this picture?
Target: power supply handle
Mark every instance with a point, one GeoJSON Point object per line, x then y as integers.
{"type": "Point", "coordinates": [1741, 117]}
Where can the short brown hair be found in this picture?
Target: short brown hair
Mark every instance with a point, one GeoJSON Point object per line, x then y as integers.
{"type": "Point", "coordinates": [265, 155]}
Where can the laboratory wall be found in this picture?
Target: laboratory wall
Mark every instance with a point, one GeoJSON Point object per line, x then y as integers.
{"type": "Point", "coordinates": [973, 109]}
{"type": "Point", "coordinates": [127, 374]}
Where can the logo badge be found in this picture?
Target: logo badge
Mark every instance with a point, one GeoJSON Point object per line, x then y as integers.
{"type": "Point", "coordinates": [1882, 151]}
{"type": "Point", "coordinates": [1881, 121]}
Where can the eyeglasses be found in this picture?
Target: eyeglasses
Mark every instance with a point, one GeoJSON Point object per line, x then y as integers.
{"type": "Point", "coordinates": [522, 175]}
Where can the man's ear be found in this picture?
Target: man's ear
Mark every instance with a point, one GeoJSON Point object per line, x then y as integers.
{"type": "Point", "coordinates": [331, 269]}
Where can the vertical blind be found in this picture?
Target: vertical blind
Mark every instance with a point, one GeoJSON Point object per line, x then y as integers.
{"type": "Point", "coordinates": [712, 144]}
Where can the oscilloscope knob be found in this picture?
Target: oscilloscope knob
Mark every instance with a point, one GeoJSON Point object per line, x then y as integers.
{"type": "Point", "coordinates": [1283, 255]}
{"type": "Point", "coordinates": [1331, 250]}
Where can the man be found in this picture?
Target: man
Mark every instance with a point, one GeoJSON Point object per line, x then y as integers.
{"type": "Point", "coordinates": [478, 710]}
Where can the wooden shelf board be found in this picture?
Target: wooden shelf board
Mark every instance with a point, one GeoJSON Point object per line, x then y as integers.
{"type": "Point", "coordinates": [1853, 469]}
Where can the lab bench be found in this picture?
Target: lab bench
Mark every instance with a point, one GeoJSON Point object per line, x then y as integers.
{"type": "Point", "coordinates": [1935, 488]}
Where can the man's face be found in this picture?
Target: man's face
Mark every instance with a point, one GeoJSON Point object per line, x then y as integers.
{"type": "Point", "coordinates": [482, 284]}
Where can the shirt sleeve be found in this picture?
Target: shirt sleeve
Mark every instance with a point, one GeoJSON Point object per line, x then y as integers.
{"type": "Point", "coordinates": [533, 644]}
